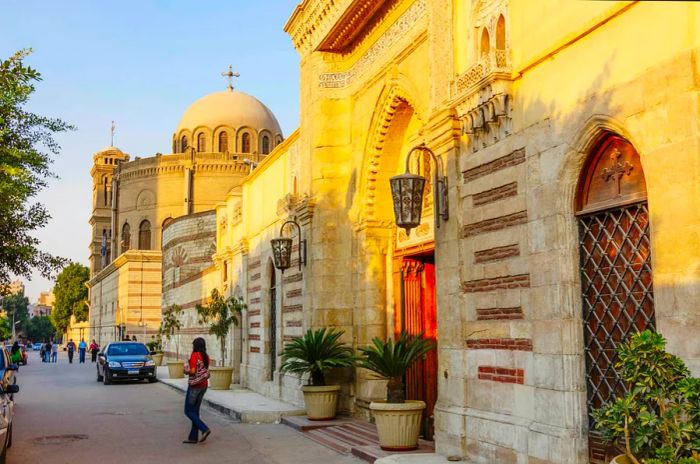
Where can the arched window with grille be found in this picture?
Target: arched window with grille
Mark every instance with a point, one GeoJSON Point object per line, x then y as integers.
{"type": "Point", "coordinates": [201, 143]}
{"type": "Point", "coordinates": [245, 143]}
{"type": "Point", "coordinates": [615, 266]}
{"type": "Point", "coordinates": [265, 145]}
{"type": "Point", "coordinates": [485, 45]}
{"type": "Point", "coordinates": [145, 235]}
{"type": "Point", "coordinates": [223, 142]}
{"type": "Point", "coordinates": [126, 237]}
{"type": "Point", "coordinates": [183, 143]}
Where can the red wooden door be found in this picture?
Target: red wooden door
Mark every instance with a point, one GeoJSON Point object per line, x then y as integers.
{"type": "Point", "coordinates": [419, 315]}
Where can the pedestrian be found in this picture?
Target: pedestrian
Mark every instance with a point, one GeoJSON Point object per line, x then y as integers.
{"type": "Point", "coordinates": [54, 352]}
{"type": "Point", "coordinates": [15, 353]}
{"type": "Point", "coordinates": [94, 348]}
{"type": "Point", "coordinates": [47, 351]}
{"type": "Point", "coordinates": [82, 346]}
{"type": "Point", "coordinates": [198, 370]}
{"type": "Point", "coordinates": [71, 350]}
{"type": "Point", "coordinates": [133, 338]}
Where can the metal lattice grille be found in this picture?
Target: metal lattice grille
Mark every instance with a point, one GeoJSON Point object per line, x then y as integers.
{"type": "Point", "coordinates": [617, 292]}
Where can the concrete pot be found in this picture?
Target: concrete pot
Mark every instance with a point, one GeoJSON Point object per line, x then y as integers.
{"type": "Point", "coordinates": [157, 358]}
{"type": "Point", "coordinates": [175, 369]}
{"type": "Point", "coordinates": [220, 377]}
{"type": "Point", "coordinates": [398, 424]}
{"type": "Point", "coordinates": [321, 402]}
{"type": "Point", "coordinates": [621, 459]}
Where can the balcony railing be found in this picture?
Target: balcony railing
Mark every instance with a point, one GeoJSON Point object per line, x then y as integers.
{"type": "Point", "coordinates": [492, 63]}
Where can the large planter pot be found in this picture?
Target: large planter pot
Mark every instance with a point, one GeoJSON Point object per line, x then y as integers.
{"type": "Point", "coordinates": [621, 459]}
{"type": "Point", "coordinates": [157, 358]}
{"type": "Point", "coordinates": [175, 369]}
{"type": "Point", "coordinates": [321, 402]}
{"type": "Point", "coordinates": [220, 377]}
{"type": "Point", "coordinates": [398, 424]}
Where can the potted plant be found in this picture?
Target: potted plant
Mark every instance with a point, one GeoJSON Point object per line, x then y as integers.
{"type": "Point", "coordinates": [155, 346]}
{"type": "Point", "coordinates": [398, 420]}
{"type": "Point", "coordinates": [314, 354]}
{"type": "Point", "coordinates": [221, 314]}
{"type": "Point", "coordinates": [168, 326]}
{"type": "Point", "coordinates": [658, 420]}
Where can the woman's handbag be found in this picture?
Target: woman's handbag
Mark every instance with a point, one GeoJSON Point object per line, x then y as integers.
{"type": "Point", "coordinates": [201, 373]}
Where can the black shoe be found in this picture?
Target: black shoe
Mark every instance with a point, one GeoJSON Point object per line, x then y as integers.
{"type": "Point", "coordinates": [189, 441]}
{"type": "Point", "coordinates": [204, 436]}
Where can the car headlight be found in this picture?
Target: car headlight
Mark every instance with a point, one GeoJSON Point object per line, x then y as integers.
{"type": "Point", "coordinates": [150, 362]}
{"type": "Point", "coordinates": [115, 364]}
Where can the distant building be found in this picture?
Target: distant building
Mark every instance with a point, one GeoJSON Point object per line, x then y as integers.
{"type": "Point", "coordinates": [43, 306]}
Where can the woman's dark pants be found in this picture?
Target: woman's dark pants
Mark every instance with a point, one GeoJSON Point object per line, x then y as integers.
{"type": "Point", "coordinates": [193, 401]}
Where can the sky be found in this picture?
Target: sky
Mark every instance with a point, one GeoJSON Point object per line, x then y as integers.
{"type": "Point", "coordinates": [140, 64]}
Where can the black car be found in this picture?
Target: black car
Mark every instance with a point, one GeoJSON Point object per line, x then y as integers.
{"type": "Point", "coordinates": [7, 404]}
{"type": "Point", "coordinates": [125, 361]}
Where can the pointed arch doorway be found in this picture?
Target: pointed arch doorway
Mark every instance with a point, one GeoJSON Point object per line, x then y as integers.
{"type": "Point", "coordinates": [615, 267]}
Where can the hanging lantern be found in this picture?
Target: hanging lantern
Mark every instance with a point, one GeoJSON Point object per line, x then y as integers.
{"type": "Point", "coordinates": [282, 252]}
{"type": "Point", "coordinates": [407, 194]}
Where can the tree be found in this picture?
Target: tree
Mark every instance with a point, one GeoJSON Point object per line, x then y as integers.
{"type": "Point", "coordinates": [15, 307]}
{"type": "Point", "coordinates": [26, 146]}
{"type": "Point", "coordinates": [170, 323]}
{"type": "Point", "coordinates": [221, 314]}
{"type": "Point", "coordinates": [5, 331]}
{"type": "Point", "coordinates": [71, 296]}
{"type": "Point", "coordinates": [40, 328]}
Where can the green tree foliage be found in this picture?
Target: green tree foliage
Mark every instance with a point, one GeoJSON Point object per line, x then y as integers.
{"type": "Point", "coordinates": [315, 353]}
{"type": "Point", "coordinates": [5, 331]}
{"type": "Point", "coordinates": [169, 324]}
{"type": "Point", "coordinates": [221, 314]}
{"type": "Point", "coordinates": [40, 328]}
{"type": "Point", "coordinates": [26, 146]}
{"type": "Point", "coordinates": [16, 306]}
{"type": "Point", "coordinates": [71, 296]}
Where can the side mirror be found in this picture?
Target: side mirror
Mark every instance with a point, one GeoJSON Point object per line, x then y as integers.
{"type": "Point", "coordinates": [12, 389]}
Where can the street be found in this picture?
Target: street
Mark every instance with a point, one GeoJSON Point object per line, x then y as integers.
{"type": "Point", "coordinates": [63, 415]}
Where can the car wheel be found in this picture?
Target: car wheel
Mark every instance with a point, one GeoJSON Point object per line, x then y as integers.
{"type": "Point", "coordinates": [99, 377]}
{"type": "Point", "coordinates": [107, 378]}
{"type": "Point", "coordinates": [152, 380]}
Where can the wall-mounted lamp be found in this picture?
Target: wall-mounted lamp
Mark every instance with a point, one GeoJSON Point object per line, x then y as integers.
{"type": "Point", "coordinates": [282, 248]}
{"type": "Point", "coordinates": [407, 193]}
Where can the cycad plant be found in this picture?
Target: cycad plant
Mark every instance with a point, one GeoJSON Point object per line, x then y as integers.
{"type": "Point", "coordinates": [315, 353]}
{"type": "Point", "coordinates": [392, 360]}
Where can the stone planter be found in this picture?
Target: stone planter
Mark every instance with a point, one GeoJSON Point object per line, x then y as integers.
{"type": "Point", "coordinates": [157, 358]}
{"type": "Point", "coordinates": [220, 377]}
{"type": "Point", "coordinates": [621, 459]}
{"type": "Point", "coordinates": [321, 402]}
{"type": "Point", "coordinates": [398, 424]}
{"type": "Point", "coordinates": [175, 369]}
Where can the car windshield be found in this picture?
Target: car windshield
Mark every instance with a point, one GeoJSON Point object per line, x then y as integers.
{"type": "Point", "coordinates": [126, 349]}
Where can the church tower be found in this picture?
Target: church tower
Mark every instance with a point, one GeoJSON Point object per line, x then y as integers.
{"type": "Point", "coordinates": [104, 165]}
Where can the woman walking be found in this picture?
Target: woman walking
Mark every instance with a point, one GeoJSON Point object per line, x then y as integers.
{"type": "Point", "coordinates": [198, 370]}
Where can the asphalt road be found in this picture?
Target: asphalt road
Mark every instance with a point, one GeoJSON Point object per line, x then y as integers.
{"type": "Point", "coordinates": [64, 416]}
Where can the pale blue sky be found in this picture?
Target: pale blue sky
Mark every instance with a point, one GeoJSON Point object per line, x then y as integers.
{"type": "Point", "coordinates": [141, 64]}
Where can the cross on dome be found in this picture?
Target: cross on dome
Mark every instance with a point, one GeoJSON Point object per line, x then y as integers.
{"type": "Point", "coordinates": [230, 74]}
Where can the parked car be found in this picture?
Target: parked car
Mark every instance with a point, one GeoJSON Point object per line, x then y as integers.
{"type": "Point", "coordinates": [37, 346]}
{"type": "Point", "coordinates": [8, 388]}
{"type": "Point", "coordinates": [23, 349]}
{"type": "Point", "coordinates": [125, 361]}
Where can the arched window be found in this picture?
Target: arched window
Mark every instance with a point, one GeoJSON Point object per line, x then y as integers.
{"type": "Point", "coordinates": [174, 146]}
{"type": "Point", "coordinates": [126, 237]}
{"type": "Point", "coordinates": [201, 143]}
{"type": "Point", "coordinates": [223, 142]}
{"type": "Point", "coordinates": [145, 235]}
{"type": "Point", "coordinates": [485, 46]}
{"type": "Point", "coordinates": [245, 143]}
{"type": "Point", "coordinates": [105, 191]}
{"type": "Point", "coordinates": [183, 143]}
{"type": "Point", "coordinates": [501, 33]}
{"type": "Point", "coordinates": [615, 263]}
{"type": "Point", "coordinates": [265, 145]}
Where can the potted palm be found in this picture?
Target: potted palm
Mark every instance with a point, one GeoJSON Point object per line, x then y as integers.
{"type": "Point", "coordinates": [398, 420]}
{"type": "Point", "coordinates": [314, 354]}
{"type": "Point", "coordinates": [221, 314]}
{"type": "Point", "coordinates": [658, 420]}
{"type": "Point", "coordinates": [170, 324]}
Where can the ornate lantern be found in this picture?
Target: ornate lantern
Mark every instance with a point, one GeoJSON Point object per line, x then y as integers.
{"type": "Point", "coordinates": [407, 193]}
{"type": "Point", "coordinates": [282, 248]}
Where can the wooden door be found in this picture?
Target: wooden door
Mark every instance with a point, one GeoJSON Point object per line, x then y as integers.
{"type": "Point", "coordinates": [418, 314]}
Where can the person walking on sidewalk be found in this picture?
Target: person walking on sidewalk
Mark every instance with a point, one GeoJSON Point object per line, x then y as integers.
{"type": "Point", "coordinates": [54, 351]}
{"type": "Point", "coordinates": [71, 350]}
{"type": "Point", "coordinates": [82, 346]}
{"type": "Point", "coordinates": [198, 371]}
{"type": "Point", "coordinates": [47, 351]}
{"type": "Point", "coordinates": [94, 348]}
{"type": "Point", "coordinates": [15, 354]}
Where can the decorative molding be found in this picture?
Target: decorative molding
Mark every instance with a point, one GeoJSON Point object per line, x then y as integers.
{"type": "Point", "coordinates": [496, 283]}
{"type": "Point", "coordinates": [512, 344]}
{"type": "Point", "coordinates": [511, 159]}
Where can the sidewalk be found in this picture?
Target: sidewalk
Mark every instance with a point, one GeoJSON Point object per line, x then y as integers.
{"type": "Point", "coordinates": [239, 403]}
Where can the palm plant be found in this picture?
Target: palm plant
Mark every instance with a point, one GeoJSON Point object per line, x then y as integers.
{"type": "Point", "coordinates": [392, 360]}
{"type": "Point", "coordinates": [315, 353]}
{"type": "Point", "coordinates": [170, 323]}
{"type": "Point", "coordinates": [221, 314]}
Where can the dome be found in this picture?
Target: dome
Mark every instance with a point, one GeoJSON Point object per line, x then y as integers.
{"type": "Point", "coordinates": [110, 149]}
{"type": "Point", "coordinates": [229, 108]}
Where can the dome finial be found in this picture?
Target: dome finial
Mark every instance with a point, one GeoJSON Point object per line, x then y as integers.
{"type": "Point", "coordinates": [230, 74]}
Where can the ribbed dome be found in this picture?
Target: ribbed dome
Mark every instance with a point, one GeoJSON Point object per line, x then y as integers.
{"type": "Point", "coordinates": [229, 108]}
{"type": "Point", "coordinates": [110, 149]}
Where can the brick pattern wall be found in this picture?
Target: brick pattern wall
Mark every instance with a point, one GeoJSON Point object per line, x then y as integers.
{"type": "Point", "coordinates": [495, 194]}
{"type": "Point", "coordinates": [294, 293]}
{"type": "Point", "coordinates": [496, 253]}
{"type": "Point", "coordinates": [497, 223]}
{"type": "Point", "coordinates": [496, 283]}
{"type": "Point", "coordinates": [502, 374]}
{"type": "Point", "coordinates": [512, 344]}
{"type": "Point", "coordinates": [290, 279]}
{"type": "Point", "coordinates": [490, 314]}
{"type": "Point", "coordinates": [511, 159]}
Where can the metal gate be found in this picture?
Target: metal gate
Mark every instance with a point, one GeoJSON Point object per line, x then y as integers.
{"type": "Point", "coordinates": [618, 298]}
